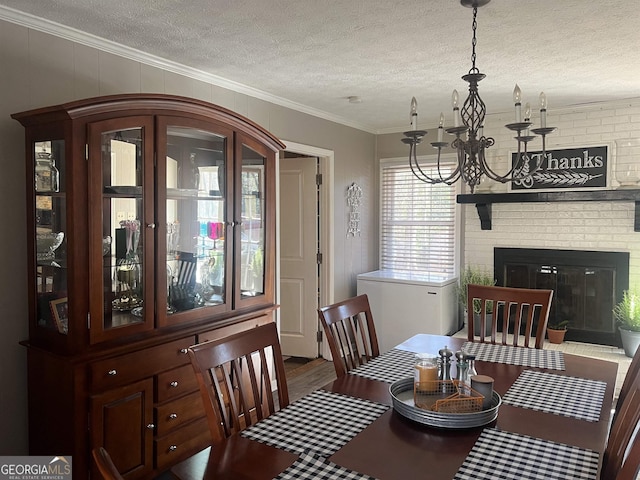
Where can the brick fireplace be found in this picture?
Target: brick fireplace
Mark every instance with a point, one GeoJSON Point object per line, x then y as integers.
{"type": "Point", "coordinates": [586, 284]}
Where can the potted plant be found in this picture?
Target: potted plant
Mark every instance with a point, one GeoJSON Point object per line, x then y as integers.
{"type": "Point", "coordinates": [557, 330]}
{"type": "Point", "coordinates": [627, 314]}
{"type": "Point", "coordinates": [476, 275]}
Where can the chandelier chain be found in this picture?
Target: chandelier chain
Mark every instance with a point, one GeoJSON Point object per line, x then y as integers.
{"type": "Point", "coordinates": [474, 41]}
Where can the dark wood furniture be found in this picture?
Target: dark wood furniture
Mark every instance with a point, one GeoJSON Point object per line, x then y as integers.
{"type": "Point", "coordinates": [166, 206]}
{"type": "Point", "coordinates": [349, 329]}
{"type": "Point", "coordinates": [630, 379]}
{"type": "Point", "coordinates": [512, 310]}
{"type": "Point", "coordinates": [393, 447]}
{"type": "Point", "coordinates": [235, 378]}
{"type": "Point", "coordinates": [621, 460]}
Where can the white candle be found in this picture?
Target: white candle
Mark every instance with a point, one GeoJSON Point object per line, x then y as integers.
{"type": "Point", "coordinates": [456, 110]}
{"type": "Point", "coordinates": [414, 114]}
{"type": "Point", "coordinates": [517, 96]}
{"type": "Point", "coordinates": [441, 127]}
{"type": "Point", "coordinates": [543, 110]}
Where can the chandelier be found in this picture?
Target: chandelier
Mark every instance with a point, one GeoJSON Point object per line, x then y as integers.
{"type": "Point", "coordinates": [470, 143]}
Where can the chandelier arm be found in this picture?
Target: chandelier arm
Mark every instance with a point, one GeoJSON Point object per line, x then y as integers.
{"type": "Point", "coordinates": [423, 176]}
{"type": "Point", "coordinates": [521, 165]}
{"type": "Point", "coordinates": [415, 167]}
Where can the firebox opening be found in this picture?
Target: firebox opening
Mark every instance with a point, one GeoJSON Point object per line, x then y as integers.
{"type": "Point", "coordinates": [586, 285]}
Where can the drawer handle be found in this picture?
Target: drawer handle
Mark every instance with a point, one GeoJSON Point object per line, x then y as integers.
{"type": "Point", "coordinates": [173, 448]}
{"type": "Point", "coordinates": [151, 426]}
{"type": "Point", "coordinates": [112, 372]}
{"type": "Point", "coordinates": [173, 416]}
{"type": "Point", "coordinates": [173, 384]}
{"type": "Point", "coordinates": [183, 351]}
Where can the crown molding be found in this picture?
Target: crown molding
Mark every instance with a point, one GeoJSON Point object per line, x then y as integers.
{"type": "Point", "coordinates": [52, 28]}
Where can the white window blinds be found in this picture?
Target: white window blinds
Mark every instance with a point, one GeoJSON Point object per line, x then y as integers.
{"type": "Point", "coordinates": [417, 221]}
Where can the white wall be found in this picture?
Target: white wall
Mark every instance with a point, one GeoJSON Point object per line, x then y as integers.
{"type": "Point", "coordinates": [39, 70]}
{"type": "Point", "coordinates": [606, 226]}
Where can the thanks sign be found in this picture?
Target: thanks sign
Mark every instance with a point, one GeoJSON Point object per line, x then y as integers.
{"type": "Point", "coordinates": [569, 168]}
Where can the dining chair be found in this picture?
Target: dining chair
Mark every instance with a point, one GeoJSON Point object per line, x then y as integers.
{"type": "Point", "coordinates": [632, 376]}
{"type": "Point", "coordinates": [104, 464]}
{"type": "Point", "coordinates": [621, 460]}
{"type": "Point", "coordinates": [235, 378]}
{"type": "Point", "coordinates": [515, 310]}
{"type": "Point", "coordinates": [350, 332]}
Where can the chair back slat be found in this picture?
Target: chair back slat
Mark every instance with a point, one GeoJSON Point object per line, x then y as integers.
{"type": "Point", "coordinates": [235, 375]}
{"type": "Point", "coordinates": [629, 380]}
{"type": "Point", "coordinates": [621, 460]}
{"type": "Point", "coordinates": [350, 333]}
{"type": "Point", "coordinates": [515, 310]}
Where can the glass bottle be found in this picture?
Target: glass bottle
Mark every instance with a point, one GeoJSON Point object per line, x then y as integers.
{"type": "Point", "coordinates": [471, 367]}
{"type": "Point", "coordinates": [47, 176]}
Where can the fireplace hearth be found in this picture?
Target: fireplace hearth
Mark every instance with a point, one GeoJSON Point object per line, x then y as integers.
{"type": "Point", "coordinates": [586, 286]}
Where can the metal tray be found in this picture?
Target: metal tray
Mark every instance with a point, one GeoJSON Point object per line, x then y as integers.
{"type": "Point", "coordinates": [402, 396]}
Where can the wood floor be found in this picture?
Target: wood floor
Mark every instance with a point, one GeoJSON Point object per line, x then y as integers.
{"type": "Point", "coordinates": [305, 377]}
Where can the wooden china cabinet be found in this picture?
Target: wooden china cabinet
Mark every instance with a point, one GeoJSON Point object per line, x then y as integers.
{"type": "Point", "coordinates": [151, 227]}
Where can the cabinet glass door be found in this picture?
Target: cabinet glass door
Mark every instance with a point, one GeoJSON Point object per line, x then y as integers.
{"type": "Point", "coordinates": [125, 182]}
{"type": "Point", "coordinates": [195, 253]}
{"type": "Point", "coordinates": [51, 241]}
{"type": "Point", "coordinates": [252, 233]}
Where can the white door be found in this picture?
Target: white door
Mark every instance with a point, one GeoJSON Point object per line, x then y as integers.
{"type": "Point", "coordinates": [298, 261]}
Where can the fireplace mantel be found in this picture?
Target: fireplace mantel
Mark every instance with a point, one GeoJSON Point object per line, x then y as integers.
{"type": "Point", "coordinates": [483, 201]}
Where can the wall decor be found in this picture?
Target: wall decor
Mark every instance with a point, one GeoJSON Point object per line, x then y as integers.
{"type": "Point", "coordinates": [354, 196]}
{"type": "Point", "coordinates": [567, 168]}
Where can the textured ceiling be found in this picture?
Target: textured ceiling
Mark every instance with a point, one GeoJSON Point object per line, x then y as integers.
{"type": "Point", "coordinates": [316, 53]}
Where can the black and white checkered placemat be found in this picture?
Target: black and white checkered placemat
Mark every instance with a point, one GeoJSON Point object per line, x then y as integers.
{"type": "Point", "coordinates": [323, 421]}
{"type": "Point", "coordinates": [311, 466]}
{"type": "Point", "coordinates": [388, 367]}
{"type": "Point", "coordinates": [499, 454]}
{"type": "Point", "coordinates": [527, 357]}
{"type": "Point", "coordinates": [574, 397]}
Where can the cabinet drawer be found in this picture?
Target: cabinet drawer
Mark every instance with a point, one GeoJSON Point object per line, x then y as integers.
{"type": "Point", "coordinates": [182, 443]}
{"type": "Point", "coordinates": [178, 412]}
{"type": "Point", "coordinates": [144, 363]}
{"type": "Point", "coordinates": [176, 383]}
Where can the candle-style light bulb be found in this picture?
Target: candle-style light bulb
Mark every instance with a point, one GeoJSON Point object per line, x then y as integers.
{"type": "Point", "coordinates": [527, 112]}
{"type": "Point", "coordinates": [441, 127]}
{"type": "Point", "coordinates": [543, 110]}
{"type": "Point", "coordinates": [527, 117]}
{"type": "Point", "coordinates": [456, 110]}
{"type": "Point", "coordinates": [413, 115]}
{"type": "Point", "coordinates": [517, 97]}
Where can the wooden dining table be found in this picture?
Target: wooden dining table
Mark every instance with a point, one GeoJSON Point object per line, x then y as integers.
{"type": "Point", "coordinates": [395, 447]}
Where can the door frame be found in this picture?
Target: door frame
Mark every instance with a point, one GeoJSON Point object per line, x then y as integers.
{"type": "Point", "coordinates": [326, 169]}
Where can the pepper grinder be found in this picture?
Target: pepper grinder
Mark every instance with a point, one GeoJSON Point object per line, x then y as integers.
{"type": "Point", "coordinates": [445, 362]}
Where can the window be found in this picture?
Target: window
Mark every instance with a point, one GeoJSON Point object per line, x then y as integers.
{"type": "Point", "coordinates": [417, 220]}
